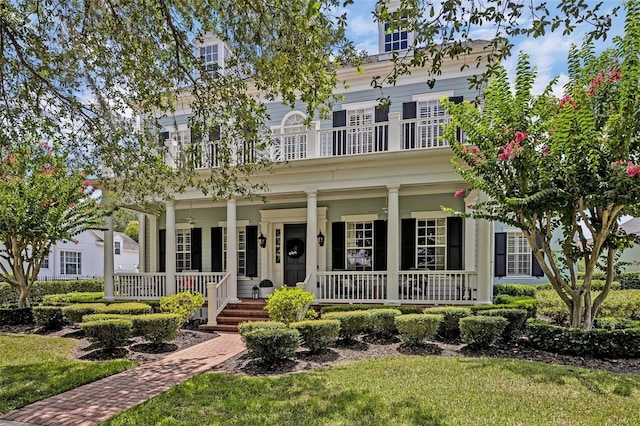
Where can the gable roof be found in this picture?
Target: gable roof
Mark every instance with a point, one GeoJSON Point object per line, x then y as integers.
{"type": "Point", "coordinates": [632, 226]}
{"type": "Point", "coordinates": [128, 243]}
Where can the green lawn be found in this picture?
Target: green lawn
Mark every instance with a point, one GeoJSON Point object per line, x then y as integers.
{"type": "Point", "coordinates": [35, 367]}
{"type": "Point", "coordinates": [401, 390]}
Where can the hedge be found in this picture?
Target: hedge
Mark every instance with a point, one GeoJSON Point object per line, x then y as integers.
{"type": "Point", "coordinates": [416, 329]}
{"type": "Point", "coordinates": [102, 317]}
{"type": "Point", "coordinates": [481, 331]}
{"type": "Point", "coordinates": [74, 313]}
{"type": "Point", "coordinates": [156, 328]}
{"type": "Point", "coordinates": [629, 280]}
{"type": "Point", "coordinates": [318, 335]}
{"type": "Point", "coordinates": [596, 285]}
{"type": "Point", "coordinates": [515, 290]}
{"type": "Point", "coordinates": [50, 317]}
{"type": "Point", "coordinates": [131, 308]}
{"type": "Point", "coordinates": [382, 322]}
{"type": "Point", "coordinates": [517, 320]}
{"type": "Point", "coordinates": [352, 323]}
{"type": "Point", "coordinates": [449, 327]}
{"type": "Point", "coordinates": [272, 345]}
{"type": "Point", "coordinates": [69, 298]}
{"type": "Point", "coordinates": [619, 304]}
{"type": "Point", "coordinates": [8, 295]}
{"type": "Point", "coordinates": [612, 323]}
{"type": "Point", "coordinates": [109, 334]}
{"type": "Point", "coordinates": [348, 308]}
{"type": "Point", "coordinates": [598, 343]}
{"type": "Point", "coordinates": [15, 316]}
{"type": "Point", "coordinates": [245, 327]}
{"type": "Point", "coordinates": [529, 304]}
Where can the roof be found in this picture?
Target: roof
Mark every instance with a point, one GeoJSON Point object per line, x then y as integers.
{"type": "Point", "coordinates": [128, 243]}
{"type": "Point", "coordinates": [632, 226]}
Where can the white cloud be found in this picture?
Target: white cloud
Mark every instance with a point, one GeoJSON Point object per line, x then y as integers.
{"type": "Point", "coordinates": [363, 26]}
{"type": "Point", "coordinates": [370, 46]}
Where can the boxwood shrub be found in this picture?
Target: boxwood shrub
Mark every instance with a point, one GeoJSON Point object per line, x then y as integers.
{"type": "Point", "coordinates": [481, 331]}
{"type": "Point", "coordinates": [619, 304]}
{"type": "Point", "coordinates": [132, 308]}
{"type": "Point", "coordinates": [15, 316]}
{"type": "Point", "coordinates": [517, 320]}
{"type": "Point", "coordinates": [272, 345]}
{"type": "Point", "coordinates": [352, 323]}
{"type": "Point", "coordinates": [529, 304]}
{"type": "Point", "coordinates": [416, 329]}
{"type": "Point", "coordinates": [102, 317]}
{"type": "Point", "coordinates": [528, 290]}
{"type": "Point", "coordinates": [449, 327]}
{"type": "Point", "coordinates": [8, 295]}
{"type": "Point", "coordinates": [356, 307]}
{"type": "Point", "coordinates": [598, 343]}
{"type": "Point", "coordinates": [69, 298]}
{"type": "Point", "coordinates": [50, 317]}
{"type": "Point", "coordinates": [318, 335]}
{"type": "Point", "coordinates": [629, 280]}
{"type": "Point", "coordinates": [382, 322]}
{"type": "Point", "coordinates": [612, 323]}
{"type": "Point", "coordinates": [245, 327]}
{"type": "Point", "coordinates": [156, 328]}
{"type": "Point", "coordinates": [109, 334]}
{"type": "Point", "coordinates": [74, 313]}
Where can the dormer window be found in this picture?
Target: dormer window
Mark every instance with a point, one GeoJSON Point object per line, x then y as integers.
{"type": "Point", "coordinates": [209, 57]}
{"type": "Point", "coordinates": [398, 39]}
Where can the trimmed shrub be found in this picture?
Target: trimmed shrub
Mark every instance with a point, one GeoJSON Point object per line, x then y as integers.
{"type": "Point", "coordinates": [109, 334]}
{"type": "Point", "coordinates": [551, 306]}
{"type": "Point", "coordinates": [352, 324]}
{"type": "Point", "coordinates": [183, 304]}
{"type": "Point", "coordinates": [619, 304]}
{"type": "Point", "coordinates": [245, 327]}
{"type": "Point", "coordinates": [68, 298]}
{"type": "Point", "coordinates": [272, 345]}
{"type": "Point", "coordinates": [102, 317]}
{"type": "Point", "coordinates": [481, 331]}
{"type": "Point", "coordinates": [599, 343]}
{"type": "Point", "coordinates": [596, 285]}
{"type": "Point", "coordinates": [9, 295]}
{"type": "Point", "coordinates": [517, 321]}
{"type": "Point", "coordinates": [74, 313]}
{"type": "Point", "coordinates": [416, 329]}
{"type": "Point", "coordinates": [449, 327]}
{"type": "Point", "coordinates": [356, 307]}
{"type": "Point", "coordinates": [528, 290]}
{"type": "Point", "coordinates": [612, 323]}
{"type": "Point", "coordinates": [132, 308]}
{"type": "Point", "coordinates": [318, 335]}
{"type": "Point", "coordinates": [290, 304]}
{"type": "Point", "coordinates": [382, 322]}
{"type": "Point", "coordinates": [156, 328]}
{"type": "Point", "coordinates": [16, 316]}
{"type": "Point", "coordinates": [510, 302]}
{"type": "Point", "coordinates": [50, 317]}
{"type": "Point", "coordinates": [630, 281]}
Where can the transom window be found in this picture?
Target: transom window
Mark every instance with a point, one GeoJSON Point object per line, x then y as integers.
{"type": "Point", "coordinates": [209, 57]}
{"type": "Point", "coordinates": [241, 233]}
{"type": "Point", "coordinates": [183, 249]}
{"type": "Point", "coordinates": [359, 246]}
{"type": "Point", "coordinates": [70, 263]}
{"type": "Point", "coordinates": [431, 244]}
{"type": "Point", "coordinates": [395, 40]}
{"type": "Point", "coordinates": [518, 255]}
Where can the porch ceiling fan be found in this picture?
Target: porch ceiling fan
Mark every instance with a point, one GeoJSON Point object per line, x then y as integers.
{"type": "Point", "coordinates": [189, 219]}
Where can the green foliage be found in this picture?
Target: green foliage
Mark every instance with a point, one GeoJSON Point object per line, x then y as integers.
{"type": "Point", "coordinates": [517, 319]}
{"type": "Point", "coordinates": [481, 331]}
{"type": "Point", "coordinates": [183, 304]}
{"type": "Point", "coordinates": [528, 290]}
{"type": "Point", "coordinates": [318, 335]}
{"type": "Point", "coordinates": [156, 328]}
{"type": "Point", "coordinates": [74, 297]}
{"type": "Point", "coordinates": [449, 327]}
{"type": "Point", "coordinates": [352, 323]}
{"type": "Point", "coordinates": [102, 317]}
{"type": "Point", "coordinates": [272, 345]}
{"type": "Point", "coordinates": [50, 317]}
{"type": "Point", "coordinates": [132, 230]}
{"type": "Point", "coordinates": [612, 323]}
{"type": "Point", "coordinates": [15, 316]}
{"type": "Point", "coordinates": [599, 343]}
{"type": "Point", "coordinates": [39, 289]}
{"type": "Point", "coordinates": [109, 334]}
{"type": "Point", "coordinates": [74, 313]}
{"type": "Point", "coordinates": [245, 327]}
{"type": "Point", "coordinates": [132, 308]}
{"type": "Point", "coordinates": [357, 307]}
{"type": "Point", "coordinates": [630, 280]}
{"type": "Point", "coordinates": [620, 304]}
{"type": "Point", "coordinates": [510, 302]}
{"type": "Point", "coordinates": [290, 304]}
{"type": "Point", "coordinates": [382, 322]}
{"type": "Point", "coordinates": [416, 329]}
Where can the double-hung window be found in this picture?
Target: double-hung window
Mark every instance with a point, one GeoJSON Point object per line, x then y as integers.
{"type": "Point", "coordinates": [359, 245]}
{"type": "Point", "coordinates": [209, 57]}
{"type": "Point", "coordinates": [70, 263]}
{"type": "Point", "coordinates": [241, 233]}
{"type": "Point", "coordinates": [360, 131]}
{"type": "Point", "coordinates": [183, 249]}
{"type": "Point", "coordinates": [116, 247]}
{"type": "Point", "coordinates": [518, 255]}
{"type": "Point", "coordinates": [431, 243]}
{"type": "Point", "coordinates": [433, 120]}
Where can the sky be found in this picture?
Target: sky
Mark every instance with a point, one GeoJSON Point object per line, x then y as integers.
{"type": "Point", "coordinates": [547, 53]}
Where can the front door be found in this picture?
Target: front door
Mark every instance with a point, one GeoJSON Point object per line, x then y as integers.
{"type": "Point", "coordinates": [294, 253]}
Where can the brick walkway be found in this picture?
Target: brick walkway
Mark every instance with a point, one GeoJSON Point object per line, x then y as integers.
{"type": "Point", "coordinates": [100, 400]}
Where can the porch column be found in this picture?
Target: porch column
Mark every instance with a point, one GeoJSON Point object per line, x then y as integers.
{"type": "Point", "coordinates": [471, 246]}
{"type": "Point", "coordinates": [232, 251]}
{"type": "Point", "coordinates": [312, 242]}
{"type": "Point", "coordinates": [393, 244]}
{"type": "Point", "coordinates": [485, 259]}
{"type": "Point", "coordinates": [170, 251]}
{"type": "Point", "coordinates": [142, 243]}
{"type": "Point", "coordinates": [108, 258]}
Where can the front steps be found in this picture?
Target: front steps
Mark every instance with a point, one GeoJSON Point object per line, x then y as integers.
{"type": "Point", "coordinates": [235, 313]}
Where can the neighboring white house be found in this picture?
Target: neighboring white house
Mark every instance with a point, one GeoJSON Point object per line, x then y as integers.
{"type": "Point", "coordinates": [68, 260]}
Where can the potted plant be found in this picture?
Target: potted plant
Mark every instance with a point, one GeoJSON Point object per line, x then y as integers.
{"type": "Point", "coordinates": [266, 287]}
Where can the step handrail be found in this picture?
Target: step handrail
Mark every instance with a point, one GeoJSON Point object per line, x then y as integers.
{"type": "Point", "coordinates": [218, 296]}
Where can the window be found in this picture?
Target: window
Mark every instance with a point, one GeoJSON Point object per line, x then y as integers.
{"type": "Point", "coordinates": [45, 263]}
{"type": "Point", "coordinates": [182, 137]}
{"type": "Point", "coordinates": [70, 263]}
{"type": "Point", "coordinates": [209, 57]}
{"type": "Point", "coordinates": [278, 244]}
{"type": "Point", "coordinates": [183, 249]}
{"type": "Point", "coordinates": [518, 255]}
{"type": "Point", "coordinates": [241, 233]}
{"type": "Point", "coordinates": [294, 138]}
{"type": "Point", "coordinates": [360, 133]}
{"type": "Point", "coordinates": [431, 126]}
{"type": "Point", "coordinates": [116, 246]}
{"type": "Point", "coordinates": [396, 39]}
{"type": "Point", "coordinates": [359, 246]}
{"type": "Point", "coordinates": [431, 244]}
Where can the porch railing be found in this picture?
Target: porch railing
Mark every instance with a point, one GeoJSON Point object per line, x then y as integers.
{"type": "Point", "coordinates": [218, 297]}
{"type": "Point", "coordinates": [140, 286]}
{"type": "Point", "coordinates": [354, 140]}
{"type": "Point", "coordinates": [437, 287]}
{"type": "Point", "coordinates": [352, 286]}
{"type": "Point", "coordinates": [196, 281]}
{"type": "Point", "coordinates": [424, 132]}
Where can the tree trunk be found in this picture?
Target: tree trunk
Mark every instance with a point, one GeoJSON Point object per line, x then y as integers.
{"type": "Point", "coordinates": [581, 313]}
{"type": "Point", "coordinates": [23, 298]}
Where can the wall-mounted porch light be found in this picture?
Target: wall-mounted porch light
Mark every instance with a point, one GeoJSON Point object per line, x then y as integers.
{"type": "Point", "coordinates": [262, 240]}
{"type": "Point", "coordinates": [320, 239]}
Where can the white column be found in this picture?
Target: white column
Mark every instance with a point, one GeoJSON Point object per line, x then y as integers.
{"type": "Point", "coordinates": [170, 251]}
{"type": "Point", "coordinates": [142, 243]}
{"type": "Point", "coordinates": [485, 261]}
{"type": "Point", "coordinates": [232, 251]}
{"type": "Point", "coordinates": [108, 258]}
{"type": "Point", "coordinates": [312, 241]}
{"type": "Point", "coordinates": [393, 244]}
{"type": "Point", "coordinates": [394, 131]}
{"type": "Point", "coordinates": [470, 241]}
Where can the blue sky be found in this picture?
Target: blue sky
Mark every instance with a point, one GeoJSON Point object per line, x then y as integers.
{"type": "Point", "coordinates": [548, 53]}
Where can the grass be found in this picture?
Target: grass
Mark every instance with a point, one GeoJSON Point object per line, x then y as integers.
{"type": "Point", "coordinates": [35, 367]}
{"type": "Point", "coordinates": [401, 390]}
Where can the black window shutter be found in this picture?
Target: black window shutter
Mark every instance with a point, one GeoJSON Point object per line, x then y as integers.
{"type": "Point", "coordinates": [214, 134]}
{"type": "Point", "coordinates": [252, 251]}
{"type": "Point", "coordinates": [216, 250]}
{"type": "Point", "coordinates": [536, 270]}
{"type": "Point", "coordinates": [500, 260]}
{"type": "Point", "coordinates": [196, 249]}
{"type": "Point", "coordinates": [162, 250]}
{"type": "Point", "coordinates": [162, 137]}
{"type": "Point", "coordinates": [196, 137]}
{"type": "Point", "coordinates": [408, 110]}
{"type": "Point", "coordinates": [454, 243]}
{"type": "Point", "coordinates": [379, 245]}
{"type": "Point", "coordinates": [408, 244]}
{"type": "Point", "coordinates": [339, 118]}
{"type": "Point", "coordinates": [338, 245]}
{"type": "Point", "coordinates": [456, 99]}
{"type": "Point", "coordinates": [382, 114]}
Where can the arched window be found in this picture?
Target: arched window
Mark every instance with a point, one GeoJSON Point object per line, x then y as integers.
{"type": "Point", "coordinates": [293, 137]}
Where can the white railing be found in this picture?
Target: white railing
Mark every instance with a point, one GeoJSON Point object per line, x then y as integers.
{"type": "Point", "coordinates": [424, 133]}
{"type": "Point", "coordinates": [288, 146]}
{"type": "Point", "coordinates": [196, 281]}
{"type": "Point", "coordinates": [140, 286]}
{"type": "Point", "coordinates": [218, 297]}
{"type": "Point", "coordinates": [435, 287]}
{"type": "Point", "coordinates": [353, 140]}
{"type": "Point", "coordinates": [352, 286]}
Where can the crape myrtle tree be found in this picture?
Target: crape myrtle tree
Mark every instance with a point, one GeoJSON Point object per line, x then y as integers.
{"type": "Point", "coordinates": [557, 166]}
{"type": "Point", "coordinates": [42, 200]}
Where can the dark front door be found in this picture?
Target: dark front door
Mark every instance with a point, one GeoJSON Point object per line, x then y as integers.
{"type": "Point", "coordinates": [294, 253]}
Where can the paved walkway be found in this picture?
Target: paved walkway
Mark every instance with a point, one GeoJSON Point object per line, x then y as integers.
{"type": "Point", "coordinates": [100, 400]}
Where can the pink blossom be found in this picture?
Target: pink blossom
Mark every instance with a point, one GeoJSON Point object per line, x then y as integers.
{"type": "Point", "coordinates": [475, 150]}
{"type": "Point", "coordinates": [86, 183]}
{"type": "Point", "coordinates": [465, 151]}
{"type": "Point", "coordinates": [72, 205]}
{"type": "Point", "coordinates": [48, 170]}
{"type": "Point", "coordinates": [618, 163]}
{"type": "Point", "coordinates": [510, 150]}
{"type": "Point", "coordinates": [545, 149]}
{"type": "Point", "coordinates": [567, 100]}
{"type": "Point", "coordinates": [459, 193]}
{"type": "Point", "coordinates": [520, 136]}
{"type": "Point", "coordinates": [469, 206]}
{"type": "Point", "coordinates": [10, 159]}
{"type": "Point", "coordinates": [632, 169]}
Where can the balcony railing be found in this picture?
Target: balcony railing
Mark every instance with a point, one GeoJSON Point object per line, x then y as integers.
{"type": "Point", "coordinates": [354, 140]}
